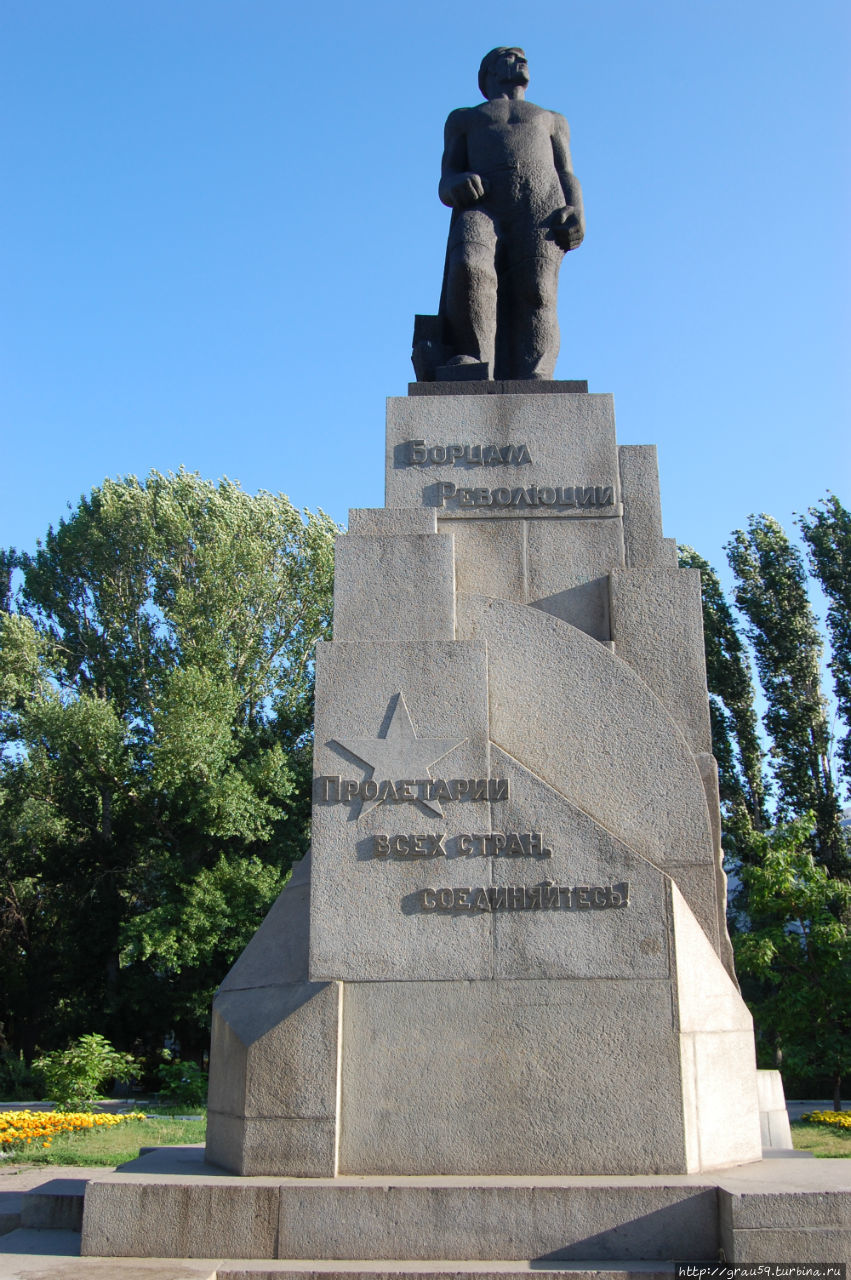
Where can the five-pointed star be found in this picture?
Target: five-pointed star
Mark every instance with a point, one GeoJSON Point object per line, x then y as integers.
{"type": "Point", "coordinates": [400, 754]}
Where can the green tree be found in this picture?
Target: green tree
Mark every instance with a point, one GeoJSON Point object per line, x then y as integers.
{"type": "Point", "coordinates": [771, 591]}
{"type": "Point", "coordinates": [827, 533]}
{"type": "Point", "coordinates": [735, 734]}
{"type": "Point", "coordinates": [798, 949]}
{"type": "Point", "coordinates": [156, 695]}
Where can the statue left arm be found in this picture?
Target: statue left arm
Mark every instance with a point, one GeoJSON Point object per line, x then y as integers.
{"type": "Point", "coordinates": [569, 222]}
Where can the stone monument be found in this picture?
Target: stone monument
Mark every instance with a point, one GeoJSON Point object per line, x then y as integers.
{"type": "Point", "coordinates": [516, 210]}
{"type": "Point", "coordinates": [494, 1014]}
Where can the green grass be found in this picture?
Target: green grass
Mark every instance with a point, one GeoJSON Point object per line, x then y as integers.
{"type": "Point", "coordinates": [114, 1145]}
{"type": "Point", "coordinates": [824, 1140]}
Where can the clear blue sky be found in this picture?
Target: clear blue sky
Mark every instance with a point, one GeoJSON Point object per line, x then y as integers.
{"type": "Point", "coordinates": [220, 216]}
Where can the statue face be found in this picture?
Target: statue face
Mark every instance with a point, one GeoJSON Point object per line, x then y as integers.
{"type": "Point", "coordinates": [510, 68]}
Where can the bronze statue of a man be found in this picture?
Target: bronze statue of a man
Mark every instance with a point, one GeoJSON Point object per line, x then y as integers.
{"type": "Point", "coordinates": [516, 209]}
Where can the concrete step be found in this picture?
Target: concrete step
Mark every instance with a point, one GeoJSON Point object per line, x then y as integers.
{"type": "Point", "coordinates": [442, 1270]}
{"type": "Point", "coordinates": [54, 1255]}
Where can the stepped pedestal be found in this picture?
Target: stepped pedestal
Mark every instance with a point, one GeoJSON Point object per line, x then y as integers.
{"type": "Point", "coordinates": [494, 1015]}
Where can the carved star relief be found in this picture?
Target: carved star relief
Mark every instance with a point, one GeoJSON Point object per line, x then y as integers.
{"type": "Point", "coordinates": [400, 754]}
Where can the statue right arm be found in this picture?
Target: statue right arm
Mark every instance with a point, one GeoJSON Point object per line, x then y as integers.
{"type": "Point", "coordinates": [458, 187]}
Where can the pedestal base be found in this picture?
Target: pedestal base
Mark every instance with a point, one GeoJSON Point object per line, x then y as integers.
{"type": "Point", "coordinates": [171, 1204]}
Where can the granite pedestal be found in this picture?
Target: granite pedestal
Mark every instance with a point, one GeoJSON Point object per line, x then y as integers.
{"type": "Point", "coordinates": [500, 991]}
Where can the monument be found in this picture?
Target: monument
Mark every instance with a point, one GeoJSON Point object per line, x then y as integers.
{"type": "Point", "coordinates": [494, 1013]}
{"type": "Point", "coordinates": [516, 210]}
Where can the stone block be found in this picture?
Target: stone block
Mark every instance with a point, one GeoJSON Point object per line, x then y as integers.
{"type": "Point", "coordinates": [401, 587]}
{"type": "Point", "coordinates": [773, 1115]}
{"type": "Point", "coordinates": [555, 1220]}
{"type": "Point", "coordinates": [281, 1049]}
{"type": "Point", "coordinates": [392, 520]}
{"type": "Point", "coordinates": [273, 1079]}
{"type": "Point", "coordinates": [583, 942]}
{"type": "Point", "coordinates": [553, 442]}
{"type": "Point", "coordinates": [276, 1145]}
{"type": "Point", "coordinates": [55, 1205]}
{"type": "Point", "coordinates": [402, 714]}
{"type": "Point", "coordinates": [583, 721]}
{"type": "Point", "coordinates": [502, 387]}
{"type": "Point", "coordinates": [719, 1077]}
{"type": "Point", "coordinates": [504, 1078]}
{"type": "Point", "coordinates": [134, 1216]}
{"type": "Point", "coordinates": [490, 557]}
{"type": "Point", "coordinates": [642, 509]}
{"type": "Point", "coordinates": [820, 1244]}
{"type": "Point", "coordinates": [585, 606]}
{"type": "Point", "coordinates": [657, 627]}
{"type": "Point", "coordinates": [278, 952]}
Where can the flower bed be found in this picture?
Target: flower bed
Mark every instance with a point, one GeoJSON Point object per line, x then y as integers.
{"type": "Point", "coordinates": [841, 1119]}
{"type": "Point", "coordinates": [20, 1128]}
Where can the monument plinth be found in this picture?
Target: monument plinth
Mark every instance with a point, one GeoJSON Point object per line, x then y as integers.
{"type": "Point", "coordinates": [516, 898]}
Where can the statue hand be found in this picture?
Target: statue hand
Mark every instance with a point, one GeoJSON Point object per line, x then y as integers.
{"type": "Point", "coordinates": [466, 190]}
{"type": "Point", "coordinates": [568, 231]}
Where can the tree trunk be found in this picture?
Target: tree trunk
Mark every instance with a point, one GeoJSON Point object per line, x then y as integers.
{"type": "Point", "coordinates": [837, 1092]}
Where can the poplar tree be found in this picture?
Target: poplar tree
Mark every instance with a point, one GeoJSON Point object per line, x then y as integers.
{"type": "Point", "coordinates": [827, 532]}
{"type": "Point", "coordinates": [771, 593]}
{"type": "Point", "coordinates": [735, 736]}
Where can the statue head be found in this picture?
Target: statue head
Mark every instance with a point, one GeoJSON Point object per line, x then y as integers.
{"type": "Point", "coordinates": [504, 67]}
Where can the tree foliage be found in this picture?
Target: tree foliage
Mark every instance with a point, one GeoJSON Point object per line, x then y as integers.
{"type": "Point", "coordinates": [798, 948]}
{"type": "Point", "coordinates": [771, 592]}
{"type": "Point", "coordinates": [827, 532]}
{"type": "Point", "coordinates": [156, 703]}
{"type": "Point", "coordinates": [735, 733]}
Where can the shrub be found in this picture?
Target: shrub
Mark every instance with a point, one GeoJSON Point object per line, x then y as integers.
{"type": "Point", "coordinates": [182, 1082]}
{"type": "Point", "coordinates": [74, 1076]}
{"type": "Point", "coordinates": [18, 1082]}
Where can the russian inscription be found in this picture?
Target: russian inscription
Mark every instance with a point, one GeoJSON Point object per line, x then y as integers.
{"type": "Point", "coordinates": [546, 896]}
{"type": "Point", "coordinates": [472, 455]}
{"type": "Point", "coordinates": [568, 497]}
{"type": "Point", "coordinates": [484, 844]}
{"type": "Point", "coordinates": [329, 788]}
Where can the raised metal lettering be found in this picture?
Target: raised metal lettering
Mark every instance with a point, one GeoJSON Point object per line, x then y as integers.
{"type": "Point", "coordinates": [498, 789]}
{"type": "Point", "coordinates": [369, 789]}
{"type": "Point", "coordinates": [546, 497]}
{"type": "Point", "coordinates": [604, 495]}
{"type": "Point", "coordinates": [417, 452]}
{"type": "Point", "coordinates": [348, 789]}
{"type": "Point", "coordinates": [429, 901]}
{"type": "Point", "coordinates": [501, 497]}
{"type": "Point", "coordinates": [380, 846]}
{"type": "Point", "coordinates": [585, 495]}
{"type": "Point", "coordinates": [482, 497]}
{"type": "Point", "coordinates": [437, 453]}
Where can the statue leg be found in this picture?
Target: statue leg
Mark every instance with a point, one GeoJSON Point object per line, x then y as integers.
{"type": "Point", "coordinates": [532, 296]}
{"type": "Point", "coordinates": [469, 299]}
